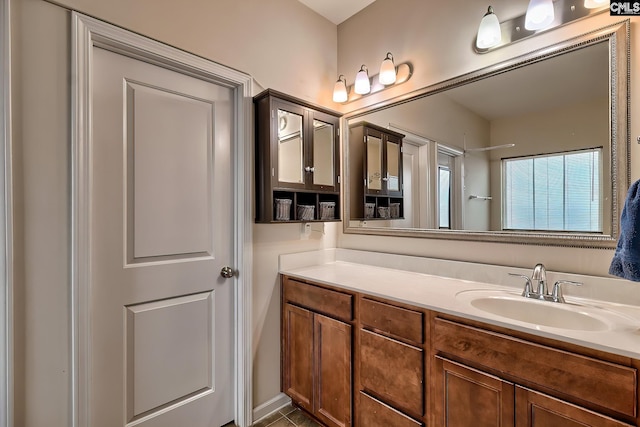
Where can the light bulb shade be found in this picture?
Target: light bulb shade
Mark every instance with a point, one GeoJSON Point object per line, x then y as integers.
{"type": "Point", "coordinates": [489, 32]}
{"type": "Point", "coordinates": [594, 4]}
{"type": "Point", "coordinates": [362, 85]}
{"type": "Point", "coordinates": [540, 14]}
{"type": "Point", "coordinates": [340, 90]}
{"type": "Point", "coordinates": [387, 75]}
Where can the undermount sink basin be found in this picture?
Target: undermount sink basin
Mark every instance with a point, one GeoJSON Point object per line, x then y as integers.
{"type": "Point", "coordinates": [543, 313]}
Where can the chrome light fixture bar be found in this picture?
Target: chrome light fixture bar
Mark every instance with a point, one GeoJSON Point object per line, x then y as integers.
{"type": "Point", "coordinates": [403, 73]}
{"type": "Point", "coordinates": [565, 11]}
{"type": "Point", "coordinates": [389, 75]}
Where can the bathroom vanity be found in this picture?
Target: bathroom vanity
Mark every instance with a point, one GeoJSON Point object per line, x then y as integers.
{"type": "Point", "coordinates": [364, 345]}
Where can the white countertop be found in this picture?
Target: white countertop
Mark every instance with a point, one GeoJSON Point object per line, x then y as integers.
{"type": "Point", "coordinates": [442, 294]}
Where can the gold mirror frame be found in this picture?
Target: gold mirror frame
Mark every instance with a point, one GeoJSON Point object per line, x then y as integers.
{"type": "Point", "coordinates": [618, 38]}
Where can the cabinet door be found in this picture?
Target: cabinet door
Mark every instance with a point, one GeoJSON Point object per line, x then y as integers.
{"type": "Point", "coordinates": [333, 371]}
{"type": "Point", "coordinates": [393, 166]}
{"type": "Point", "coordinates": [323, 170]}
{"type": "Point", "coordinates": [465, 397]}
{"type": "Point", "coordinates": [288, 147]}
{"type": "Point", "coordinates": [373, 167]}
{"type": "Point", "coordinates": [534, 409]}
{"type": "Point", "coordinates": [392, 371]}
{"type": "Point", "coordinates": [297, 366]}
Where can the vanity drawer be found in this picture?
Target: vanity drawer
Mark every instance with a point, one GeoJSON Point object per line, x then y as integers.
{"type": "Point", "coordinates": [321, 300]}
{"type": "Point", "coordinates": [565, 374]}
{"type": "Point", "coordinates": [373, 413]}
{"type": "Point", "coordinates": [392, 371]}
{"type": "Point", "coordinates": [392, 320]}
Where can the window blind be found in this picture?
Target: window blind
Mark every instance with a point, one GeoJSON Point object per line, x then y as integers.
{"type": "Point", "coordinates": [555, 192]}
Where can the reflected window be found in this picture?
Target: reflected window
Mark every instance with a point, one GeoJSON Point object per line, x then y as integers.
{"type": "Point", "coordinates": [555, 192]}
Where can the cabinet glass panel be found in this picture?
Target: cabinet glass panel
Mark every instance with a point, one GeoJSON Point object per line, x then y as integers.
{"type": "Point", "coordinates": [290, 152]}
{"type": "Point", "coordinates": [374, 163]}
{"type": "Point", "coordinates": [323, 155]}
{"type": "Point", "coordinates": [393, 166]}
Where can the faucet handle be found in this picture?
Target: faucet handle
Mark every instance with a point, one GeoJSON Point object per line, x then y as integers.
{"type": "Point", "coordinates": [527, 285]}
{"type": "Point", "coordinates": [556, 293]}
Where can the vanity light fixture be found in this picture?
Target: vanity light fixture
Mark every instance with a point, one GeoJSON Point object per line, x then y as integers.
{"type": "Point", "coordinates": [387, 74]}
{"type": "Point", "coordinates": [489, 32]}
{"type": "Point", "coordinates": [541, 15]}
{"type": "Point", "coordinates": [390, 75]}
{"type": "Point", "coordinates": [362, 85]}
{"type": "Point", "coordinates": [340, 93]}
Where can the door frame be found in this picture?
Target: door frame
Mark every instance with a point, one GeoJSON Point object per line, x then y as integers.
{"type": "Point", "coordinates": [88, 33]}
{"type": "Point", "coordinates": [6, 224]}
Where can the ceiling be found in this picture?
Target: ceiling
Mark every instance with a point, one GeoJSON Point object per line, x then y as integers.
{"type": "Point", "coordinates": [337, 11]}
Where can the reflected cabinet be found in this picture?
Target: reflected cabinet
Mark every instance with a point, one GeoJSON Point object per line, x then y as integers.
{"type": "Point", "coordinates": [297, 160]}
{"type": "Point", "coordinates": [375, 167]}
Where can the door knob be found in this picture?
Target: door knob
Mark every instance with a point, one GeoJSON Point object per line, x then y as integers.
{"type": "Point", "coordinates": [227, 272]}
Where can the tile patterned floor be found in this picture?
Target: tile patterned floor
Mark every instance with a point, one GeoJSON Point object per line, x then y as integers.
{"type": "Point", "coordinates": [287, 417]}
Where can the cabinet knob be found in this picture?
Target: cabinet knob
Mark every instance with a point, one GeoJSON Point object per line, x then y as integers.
{"type": "Point", "coordinates": [308, 169]}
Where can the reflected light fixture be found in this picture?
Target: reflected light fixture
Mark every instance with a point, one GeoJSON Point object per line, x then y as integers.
{"type": "Point", "coordinates": [340, 90]}
{"type": "Point", "coordinates": [540, 14]}
{"type": "Point", "coordinates": [489, 32]}
{"type": "Point", "coordinates": [362, 85]}
{"type": "Point", "coordinates": [592, 4]}
{"type": "Point", "coordinates": [387, 74]}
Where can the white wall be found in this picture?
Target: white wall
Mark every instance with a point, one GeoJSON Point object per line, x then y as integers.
{"type": "Point", "coordinates": [281, 43]}
{"type": "Point", "coordinates": [437, 39]}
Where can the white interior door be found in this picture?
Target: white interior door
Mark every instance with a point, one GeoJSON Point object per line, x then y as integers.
{"type": "Point", "coordinates": [160, 348]}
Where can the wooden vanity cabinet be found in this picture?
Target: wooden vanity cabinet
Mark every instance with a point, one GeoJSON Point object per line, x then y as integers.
{"type": "Point", "coordinates": [317, 350]}
{"type": "Point", "coordinates": [297, 160]}
{"type": "Point", "coordinates": [414, 367]}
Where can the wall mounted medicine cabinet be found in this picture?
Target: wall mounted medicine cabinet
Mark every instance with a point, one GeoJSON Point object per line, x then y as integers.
{"type": "Point", "coordinates": [375, 163]}
{"type": "Point", "coordinates": [297, 160]}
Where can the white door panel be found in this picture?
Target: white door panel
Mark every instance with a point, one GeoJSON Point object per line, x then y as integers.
{"type": "Point", "coordinates": [161, 318]}
{"type": "Point", "coordinates": [169, 140]}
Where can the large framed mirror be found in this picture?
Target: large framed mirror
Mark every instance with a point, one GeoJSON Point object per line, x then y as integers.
{"type": "Point", "coordinates": [533, 150]}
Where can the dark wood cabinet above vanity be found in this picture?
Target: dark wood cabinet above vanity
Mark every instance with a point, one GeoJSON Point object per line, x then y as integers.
{"type": "Point", "coordinates": [297, 160]}
{"type": "Point", "coordinates": [349, 358]}
{"type": "Point", "coordinates": [375, 170]}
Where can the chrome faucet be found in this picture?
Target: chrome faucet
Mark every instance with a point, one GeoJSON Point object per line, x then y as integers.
{"type": "Point", "coordinates": [541, 289]}
{"type": "Point", "coordinates": [539, 276]}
